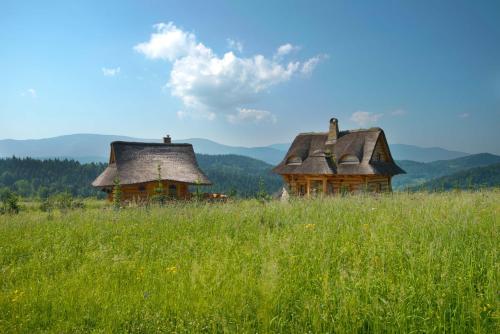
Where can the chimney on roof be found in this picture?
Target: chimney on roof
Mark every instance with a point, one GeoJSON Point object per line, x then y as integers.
{"type": "Point", "coordinates": [167, 140]}
{"type": "Point", "coordinates": [333, 132]}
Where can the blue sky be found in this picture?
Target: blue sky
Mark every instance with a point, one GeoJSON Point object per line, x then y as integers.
{"type": "Point", "coordinates": [252, 72]}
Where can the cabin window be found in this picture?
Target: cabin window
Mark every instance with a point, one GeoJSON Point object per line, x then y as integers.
{"type": "Point", "coordinates": [349, 159]}
{"type": "Point", "coordinates": [330, 188]}
{"type": "Point", "coordinates": [302, 189]}
{"type": "Point", "coordinates": [172, 190]}
{"type": "Point", "coordinates": [316, 187]}
{"type": "Point", "coordinates": [379, 157]}
{"type": "Point", "coordinates": [142, 188]}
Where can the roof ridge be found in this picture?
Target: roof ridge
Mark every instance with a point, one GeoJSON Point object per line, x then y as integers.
{"type": "Point", "coordinates": [148, 144]}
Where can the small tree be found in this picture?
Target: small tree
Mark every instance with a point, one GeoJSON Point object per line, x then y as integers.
{"type": "Point", "coordinates": [232, 192]}
{"type": "Point", "coordinates": [262, 194]}
{"type": "Point", "coordinates": [117, 194]}
{"type": "Point", "coordinates": [9, 202]}
{"type": "Point", "coordinates": [197, 194]}
{"type": "Point", "coordinates": [159, 196]}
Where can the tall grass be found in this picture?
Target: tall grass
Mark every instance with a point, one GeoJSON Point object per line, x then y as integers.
{"type": "Point", "coordinates": [394, 263]}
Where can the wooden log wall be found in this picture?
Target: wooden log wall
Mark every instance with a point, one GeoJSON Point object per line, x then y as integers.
{"type": "Point", "coordinates": [320, 184]}
{"type": "Point", "coordinates": [144, 191]}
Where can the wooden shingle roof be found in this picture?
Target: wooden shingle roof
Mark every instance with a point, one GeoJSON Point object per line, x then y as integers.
{"type": "Point", "coordinates": [311, 154]}
{"type": "Point", "coordinates": [135, 163]}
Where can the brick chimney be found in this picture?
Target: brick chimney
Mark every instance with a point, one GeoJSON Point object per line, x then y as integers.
{"type": "Point", "coordinates": [333, 132]}
{"type": "Point", "coordinates": [167, 140]}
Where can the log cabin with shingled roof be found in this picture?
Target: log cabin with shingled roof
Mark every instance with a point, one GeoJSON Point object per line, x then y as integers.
{"type": "Point", "coordinates": [337, 161]}
{"type": "Point", "coordinates": [137, 165]}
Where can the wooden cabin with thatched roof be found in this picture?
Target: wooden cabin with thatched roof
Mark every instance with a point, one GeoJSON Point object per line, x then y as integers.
{"type": "Point", "coordinates": [337, 161]}
{"type": "Point", "coordinates": [138, 167]}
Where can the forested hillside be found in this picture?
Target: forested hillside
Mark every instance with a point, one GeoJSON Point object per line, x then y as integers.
{"type": "Point", "coordinates": [236, 173]}
{"type": "Point", "coordinates": [40, 178]}
{"type": "Point", "coordinates": [473, 178]}
{"type": "Point", "coordinates": [417, 173]}
{"type": "Point", "coordinates": [230, 174]}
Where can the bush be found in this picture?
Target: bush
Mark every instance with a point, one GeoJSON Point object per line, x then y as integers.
{"type": "Point", "coordinates": [63, 202]}
{"type": "Point", "coordinates": [8, 202]}
{"type": "Point", "coordinates": [46, 204]}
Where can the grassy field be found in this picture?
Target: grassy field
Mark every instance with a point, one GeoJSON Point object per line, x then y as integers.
{"type": "Point", "coordinates": [395, 263]}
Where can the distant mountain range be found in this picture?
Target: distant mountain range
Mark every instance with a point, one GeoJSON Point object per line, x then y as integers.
{"type": "Point", "coordinates": [95, 147]}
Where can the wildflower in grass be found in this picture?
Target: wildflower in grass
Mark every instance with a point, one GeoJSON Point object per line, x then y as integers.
{"type": "Point", "coordinates": [172, 269]}
{"type": "Point", "coordinates": [140, 273]}
{"type": "Point", "coordinates": [17, 294]}
{"type": "Point", "coordinates": [310, 226]}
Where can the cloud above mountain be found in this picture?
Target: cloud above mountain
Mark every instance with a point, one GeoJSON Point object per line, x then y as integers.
{"type": "Point", "coordinates": [211, 84]}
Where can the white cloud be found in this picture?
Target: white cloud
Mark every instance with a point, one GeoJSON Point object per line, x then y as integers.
{"type": "Point", "coordinates": [464, 115]}
{"type": "Point", "coordinates": [210, 83]}
{"type": "Point", "coordinates": [30, 92]}
{"type": "Point", "coordinates": [110, 72]}
{"type": "Point", "coordinates": [364, 118]}
{"type": "Point", "coordinates": [168, 43]}
{"type": "Point", "coordinates": [251, 115]}
{"type": "Point", "coordinates": [234, 45]}
{"type": "Point", "coordinates": [309, 65]}
{"type": "Point", "coordinates": [399, 112]}
{"type": "Point", "coordinates": [285, 49]}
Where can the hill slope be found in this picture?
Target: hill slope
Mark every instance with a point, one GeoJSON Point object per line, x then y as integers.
{"type": "Point", "coordinates": [473, 178]}
{"type": "Point", "coordinates": [423, 154]}
{"type": "Point", "coordinates": [419, 172]}
{"type": "Point", "coordinates": [235, 173]}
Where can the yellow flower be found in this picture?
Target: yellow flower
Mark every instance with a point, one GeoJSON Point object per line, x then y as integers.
{"type": "Point", "coordinates": [172, 269]}
{"type": "Point", "coordinates": [310, 226]}
{"type": "Point", "coordinates": [17, 294]}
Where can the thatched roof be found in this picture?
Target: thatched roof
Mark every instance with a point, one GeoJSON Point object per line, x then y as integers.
{"type": "Point", "coordinates": [350, 154]}
{"type": "Point", "coordinates": [138, 163]}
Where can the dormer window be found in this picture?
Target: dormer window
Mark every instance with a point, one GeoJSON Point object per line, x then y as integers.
{"type": "Point", "coordinates": [349, 159]}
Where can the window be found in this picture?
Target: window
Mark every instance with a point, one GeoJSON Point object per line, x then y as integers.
{"type": "Point", "coordinates": [330, 188]}
{"type": "Point", "coordinates": [172, 190]}
{"type": "Point", "coordinates": [316, 187]}
{"type": "Point", "coordinates": [302, 189]}
{"type": "Point", "coordinates": [349, 159]}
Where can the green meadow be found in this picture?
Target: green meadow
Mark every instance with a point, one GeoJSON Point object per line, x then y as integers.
{"type": "Point", "coordinates": [399, 262]}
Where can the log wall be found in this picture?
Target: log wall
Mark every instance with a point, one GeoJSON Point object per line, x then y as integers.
{"type": "Point", "coordinates": [144, 191]}
{"type": "Point", "coordinates": [304, 185]}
